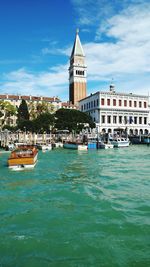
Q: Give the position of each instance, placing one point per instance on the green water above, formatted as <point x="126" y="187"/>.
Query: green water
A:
<point x="77" y="209"/>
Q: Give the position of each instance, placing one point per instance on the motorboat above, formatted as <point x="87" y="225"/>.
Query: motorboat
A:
<point x="23" y="157"/>
<point x="75" y="145"/>
<point x="120" y="142"/>
<point x="101" y="145"/>
<point x="44" y="147"/>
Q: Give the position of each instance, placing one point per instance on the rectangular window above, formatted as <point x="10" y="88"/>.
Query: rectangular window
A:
<point x="145" y="120"/>
<point x="135" y="104"/>
<point x="87" y="106"/>
<point x="94" y="103"/>
<point x="125" y="120"/>
<point x="91" y="104"/>
<point x="145" y="105"/>
<point x="97" y="102"/>
<point x="115" y="119"/>
<point x="108" y="102"/>
<point x="114" y="102"/>
<point x="108" y="119"/>
<point x="140" y="104"/>
<point x="140" y="120"/>
<point x="130" y="119"/>
<point x="82" y="107"/>
<point x="102" y="101"/>
<point x="125" y="103"/>
<point x="120" y="103"/>
<point x="130" y="103"/>
<point x="135" y="120"/>
<point x="103" y="118"/>
<point x="120" y="119"/>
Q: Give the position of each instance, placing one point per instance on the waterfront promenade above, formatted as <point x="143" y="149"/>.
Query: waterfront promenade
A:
<point x="7" y="137"/>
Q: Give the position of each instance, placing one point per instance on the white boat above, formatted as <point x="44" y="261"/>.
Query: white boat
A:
<point x="58" y="144"/>
<point x="75" y="145"/>
<point x="120" y="142"/>
<point x="44" y="147"/>
<point x="102" y="145"/>
<point x="22" y="167"/>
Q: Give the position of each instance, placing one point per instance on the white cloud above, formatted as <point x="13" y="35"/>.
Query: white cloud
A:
<point x="127" y="53"/>
<point x="56" y="51"/>
<point x="29" y="83"/>
<point x="131" y="25"/>
<point x="124" y="54"/>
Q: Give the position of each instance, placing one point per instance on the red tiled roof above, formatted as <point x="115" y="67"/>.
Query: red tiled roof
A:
<point x="13" y="97"/>
<point x="2" y="96"/>
<point x="32" y="98"/>
<point x="51" y="99"/>
<point x="67" y="104"/>
<point x="25" y="97"/>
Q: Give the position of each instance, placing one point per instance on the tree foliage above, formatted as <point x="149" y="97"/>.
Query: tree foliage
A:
<point x="36" y="109"/>
<point x="43" y="122"/>
<point x="6" y="111"/>
<point x="40" y="124"/>
<point x="23" y="113"/>
<point x="67" y="119"/>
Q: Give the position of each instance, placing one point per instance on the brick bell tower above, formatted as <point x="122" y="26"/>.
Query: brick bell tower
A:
<point x="77" y="72"/>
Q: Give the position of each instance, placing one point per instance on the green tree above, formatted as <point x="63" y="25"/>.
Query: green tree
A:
<point x="35" y="109"/>
<point x="67" y="119"/>
<point x="23" y="113"/>
<point x="32" y="110"/>
<point x="43" y="122"/>
<point x="40" y="124"/>
<point x="7" y="110"/>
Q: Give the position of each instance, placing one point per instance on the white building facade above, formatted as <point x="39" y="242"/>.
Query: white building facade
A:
<point x="113" y="111"/>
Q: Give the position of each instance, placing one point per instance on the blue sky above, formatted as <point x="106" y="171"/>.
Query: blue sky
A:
<point x="37" y="37"/>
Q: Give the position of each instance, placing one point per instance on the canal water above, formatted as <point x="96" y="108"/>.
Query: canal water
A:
<point x="77" y="209"/>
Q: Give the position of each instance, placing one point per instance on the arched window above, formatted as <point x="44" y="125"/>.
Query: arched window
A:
<point x="136" y="132"/>
<point x="141" y="131"/>
<point x="131" y="131"/>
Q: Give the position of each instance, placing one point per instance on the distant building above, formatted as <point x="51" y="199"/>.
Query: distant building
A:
<point x="68" y="105"/>
<point x="77" y="73"/>
<point x="112" y="111"/>
<point x="16" y="101"/>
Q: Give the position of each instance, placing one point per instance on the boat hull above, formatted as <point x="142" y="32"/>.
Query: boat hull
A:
<point x="120" y="143"/>
<point x="22" y="167"/>
<point x="45" y="147"/>
<point x="105" y="146"/>
<point x="75" y="146"/>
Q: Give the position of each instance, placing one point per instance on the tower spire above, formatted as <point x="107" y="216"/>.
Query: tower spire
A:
<point x="77" y="47"/>
<point x="77" y="72"/>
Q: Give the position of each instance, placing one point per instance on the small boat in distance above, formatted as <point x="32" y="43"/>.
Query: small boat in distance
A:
<point x="75" y="145"/>
<point x="44" y="147"/>
<point x="119" y="142"/>
<point x="102" y="145"/>
<point x="23" y="157"/>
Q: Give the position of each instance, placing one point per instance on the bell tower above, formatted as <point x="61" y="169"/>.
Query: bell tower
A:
<point x="77" y="72"/>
